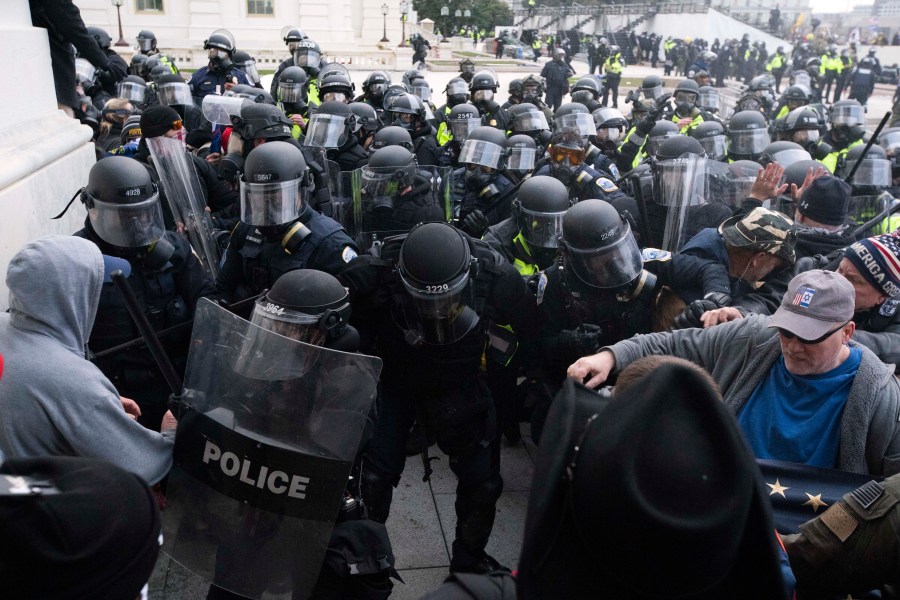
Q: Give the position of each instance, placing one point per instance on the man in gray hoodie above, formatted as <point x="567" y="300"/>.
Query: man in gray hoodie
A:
<point x="53" y="401"/>
<point x="802" y="390"/>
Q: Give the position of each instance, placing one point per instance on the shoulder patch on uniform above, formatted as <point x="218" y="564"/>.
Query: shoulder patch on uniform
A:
<point x="655" y="254"/>
<point x="839" y="521"/>
<point x="614" y="170"/>
<point x="348" y="254"/>
<point x="888" y="307"/>
<point x="607" y="185"/>
<point x="541" y="287"/>
<point x="867" y="495"/>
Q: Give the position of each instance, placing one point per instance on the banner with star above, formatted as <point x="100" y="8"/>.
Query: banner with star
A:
<point x="799" y="493"/>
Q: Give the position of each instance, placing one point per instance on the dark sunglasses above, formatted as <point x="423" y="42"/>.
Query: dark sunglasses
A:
<point x="790" y="336"/>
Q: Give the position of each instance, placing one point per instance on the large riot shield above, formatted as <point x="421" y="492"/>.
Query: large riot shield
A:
<point x="267" y="433"/>
<point x="378" y="200"/>
<point x="872" y="211"/>
<point x="185" y="197"/>
<point x="730" y="183"/>
<point x="219" y="110"/>
<point x="684" y="192"/>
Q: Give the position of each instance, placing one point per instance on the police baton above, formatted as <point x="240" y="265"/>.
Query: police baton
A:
<point x="865" y="151"/>
<point x="167" y="332"/>
<point x="147" y="333"/>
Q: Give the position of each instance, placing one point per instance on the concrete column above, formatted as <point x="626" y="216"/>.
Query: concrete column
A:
<point x="44" y="155"/>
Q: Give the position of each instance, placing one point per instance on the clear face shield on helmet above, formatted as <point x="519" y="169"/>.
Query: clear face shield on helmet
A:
<point x="172" y="94"/>
<point x="461" y="128"/>
<point x="531" y="91"/>
<point x="380" y="186"/>
<point x="521" y="160"/>
<point x="529" y="121"/>
<point x="583" y="123"/>
<point x="805" y="136"/>
<point x="481" y="153"/>
<point x="457" y="88"/>
<point x="270" y="204"/>
<point x="307" y="57"/>
<point x="540" y="229"/>
<point x="335" y="97"/>
<point x="849" y="115"/>
<point x="482" y="95"/>
<point x="216" y="54"/>
<point x="654" y="141"/>
<point x="421" y="89"/>
<point x="608" y="267"/>
<point x="801" y="78"/>
<point x="145" y="45"/>
<point x="440" y="315"/>
<point x="872" y="172"/>
<point x="730" y="184"/>
<point x="683" y="187"/>
<point x="292" y="92"/>
<point x="751" y="142"/>
<point x="326" y="131"/>
<point x="786" y="158"/>
<point x="653" y="93"/>
<point x="132" y="91"/>
<point x="715" y="146"/>
<point x="84" y="71"/>
<point x="128" y="225"/>
<point x="764" y="94"/>
<point x="250" y="70"/>
<point x="299" y="326"/>
<point x="709" y="100"/>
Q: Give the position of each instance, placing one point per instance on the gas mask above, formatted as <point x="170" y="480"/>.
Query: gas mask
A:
<point x="219" y="60"/>
<point x="478" y="177"/>
<point x="407" y="121"/>
<point x="481" y="97"/>
<point x="684" y="103"/>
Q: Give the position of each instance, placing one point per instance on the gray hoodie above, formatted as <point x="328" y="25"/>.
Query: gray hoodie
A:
<point x="54" y="402"/>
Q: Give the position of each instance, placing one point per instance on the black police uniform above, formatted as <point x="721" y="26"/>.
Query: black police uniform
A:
<point x="425" y="145"/>
<point x="467" y="200"/>
<point x="440" y="385"/>
<point x="253" y="262"/>
<point x="204" y="81"/>
<point x="587" y="183"/>
<point x="168" y="296"/>
<point x="407" y="210"/>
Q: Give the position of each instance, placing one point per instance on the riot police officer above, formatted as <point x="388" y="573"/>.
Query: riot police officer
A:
<point x="455" y="129"/>
<point x="279" y="231"/>
<point x="686" y="114"/>
<point x="515" y="94"/>
<point x="466" y="69"/>
<point x="587" y="91"/>
<point x="483" y="88"/>
<point x="247" y="64"/>
<point x="408" y="111"/>
<point x="391" y="136"/>
<point x="221" y="73"/>
<point x="125" y="219"/>
<point x="523" y="156"/>
<point x="711" y="136"/>
<point x="748" y="135"/>
<point x="307" y="55"/>
<point x="793" y="98"/>
<point x="433" y="294"/>
<point x="566" y="153"/>
<point x="292" y="98"/>
<point x="332" y="128"/>
<point x="528" y="119"/>
<point x="478" y="197"/>
<point x="533" y="93"/>
<point x="847" y="118"/>
<point x="374" y="87"/>
<point x="336" y="87"/>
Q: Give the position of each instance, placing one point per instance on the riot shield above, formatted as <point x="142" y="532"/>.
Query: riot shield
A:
<point x="185" y="197"/>
<point x="219" y="109"/>
<point x="685" y="194"/>
<point x="730" y="183"/>
<point x="378" y="204"/>
<point x="267" y="433"/>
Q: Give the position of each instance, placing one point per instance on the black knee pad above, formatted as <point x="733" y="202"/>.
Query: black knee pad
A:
<point x="473" y="433"/>
<point x="487" y="492"/>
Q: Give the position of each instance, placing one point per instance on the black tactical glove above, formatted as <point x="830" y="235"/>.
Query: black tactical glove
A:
<point x="659" y="107"/>
<point x="106" y="77"/>
<point x="475" y="224"/>
<point x="690" y="316"/>
<point x="584" y="340"/>
<point x="645" y="126"/>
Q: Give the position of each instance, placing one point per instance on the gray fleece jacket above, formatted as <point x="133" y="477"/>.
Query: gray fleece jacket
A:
<point x="740" y="354"/>
<point x="53" y="402"/>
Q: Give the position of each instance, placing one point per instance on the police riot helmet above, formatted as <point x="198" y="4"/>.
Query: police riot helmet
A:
<point x="515" y="89"/>
<point x="411" y="75"/>
<point x="137" y="60"/>
<point x="146" y="40"/>
<point x="677" y="146"/>
<point x="375" y="85"/>
<point x="573" y="116"/>
<point x="394" y="90"/>
<point x="797" y="93"/>
<point x="661" y="131"/>
<point x="609" y="125"/>
<point x="292" y="35"/>
<point x="275" y="184"/>
<point x="148" y="65"/>
<point x="528" y="118"/>
<point x="123" y="203"/>
<point x="522" y="155"/>
<point x="748" y="135"/>
<point x="486" y="147"/>
<point x="261" y="121"/>
<point x="391" y="170"/>
<point x="132" y="88"/>
<point x="483" y="80"/>
<point x="708" y="98"/>
<point x="292" y="85"/>
<point x="533" y="88"/>
<point x="613" y="50"/>
<point x="435" y="266"/>
<point x="457" y="91"/>
<point x="337" y="87"/>
<point x="367" y="117"/>
<point x="847" y="118"/>
<point x="158" y="72"/>
<point x="872" y="51"/>
<point x="687" y="94"/>
<point x="566" y="153"/>
<point x="652" y="87"/>
<point x="247" y="64"/>
<point x="330" y="126"/>
<point x="99" y="34"/>
<point x="783" y="152"/>
<point x="407" y="111"/>
<point x="173" y="91"/>
<point x="391" y="136"/>
<point x="598" y="246"/>
<point x="801" y="125"/>
<point x="711" y="135"/>
<point x="588" y="84"/>
<point x="761" y="87"/>
<point x="220" y="39"/>
<point x="307" y="55"/>
<point x="467" y="65"/>
<point x="252" y="93"/>
<point x="462" y="121"/>
<point x="539" y="208"/>
<point x="874" y="172"/>
<point x="306" y="305"/>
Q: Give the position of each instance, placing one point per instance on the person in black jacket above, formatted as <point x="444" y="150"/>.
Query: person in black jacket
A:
<point x="332" y="127"/>
<point x="408" y="111"/>
<point x="556" y="72"/>
<point x="125" y="220"/>
<point x="62" y="20"/>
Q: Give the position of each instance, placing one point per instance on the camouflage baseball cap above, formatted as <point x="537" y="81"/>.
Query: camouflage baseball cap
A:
<point x="762" y="230"/>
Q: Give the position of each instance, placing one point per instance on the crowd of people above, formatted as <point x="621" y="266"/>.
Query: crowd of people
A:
<point x="376" y="274"/>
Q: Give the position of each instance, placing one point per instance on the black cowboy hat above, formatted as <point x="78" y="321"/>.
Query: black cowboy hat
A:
<point x="654" y="494"/>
